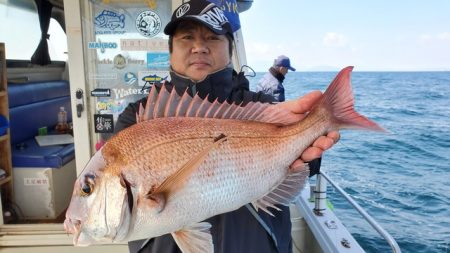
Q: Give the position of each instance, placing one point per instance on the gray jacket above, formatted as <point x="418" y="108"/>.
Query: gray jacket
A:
<point x="270" y="85"/>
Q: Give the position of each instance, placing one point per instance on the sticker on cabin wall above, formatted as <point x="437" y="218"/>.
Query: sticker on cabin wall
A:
<point x="119" y="61"/>
<point x="150" y="3"/>
<point x="104" y="123"/>
<point x="103" y="76"/>
<point x="130" y="78"/>
<point x="110" y="106"/>
<point x="103" y="62"/>
<point x="120" y="93"/>
<point x="158" y="60"/>
<point x="30" y="181"/>
<point x="148" y="23"/>
<point x="102" y="45"/>
<point x="101" y="93"/>
<point x="148" y="78"/>
<point x="109" y="22"/>
<point x="154" y="44"/>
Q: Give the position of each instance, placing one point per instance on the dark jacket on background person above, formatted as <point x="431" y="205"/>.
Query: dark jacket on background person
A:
<point x="243" y="230"/>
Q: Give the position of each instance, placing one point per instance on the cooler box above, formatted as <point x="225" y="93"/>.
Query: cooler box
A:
<point x="44" y="193"/>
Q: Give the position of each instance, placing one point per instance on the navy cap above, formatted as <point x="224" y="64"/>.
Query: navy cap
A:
<point x="283" y="61"/>
<point x="202" y="11"/>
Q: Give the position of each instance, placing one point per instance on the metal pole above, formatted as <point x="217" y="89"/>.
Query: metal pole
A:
<point x="372" y="222"/>
<point x="320" y="194"/>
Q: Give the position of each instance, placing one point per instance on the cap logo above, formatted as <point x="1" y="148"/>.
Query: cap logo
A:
<point x="182" y="10"/>
<point x="214" y="17"/>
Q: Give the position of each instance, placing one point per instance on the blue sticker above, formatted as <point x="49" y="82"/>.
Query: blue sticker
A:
<point x="158" y="60"/>
<point x="130" y="78"/>
<point x="102" y="45"/>
<point x="152" y="79"/>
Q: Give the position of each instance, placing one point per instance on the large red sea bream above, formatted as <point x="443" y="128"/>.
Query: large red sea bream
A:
<point x="188" y="159"/>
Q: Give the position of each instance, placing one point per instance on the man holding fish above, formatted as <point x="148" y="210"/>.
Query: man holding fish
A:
<point x="200" y="44"/>
<point x="200" y="57"/>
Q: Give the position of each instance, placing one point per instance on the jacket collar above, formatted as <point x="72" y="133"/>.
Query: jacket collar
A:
<point x="217" y="85"/>
<point x="276" y="74"/>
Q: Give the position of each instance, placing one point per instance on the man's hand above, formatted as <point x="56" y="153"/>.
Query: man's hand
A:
<point x="300" y="107"/>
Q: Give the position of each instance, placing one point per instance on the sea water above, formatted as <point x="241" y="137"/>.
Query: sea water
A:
<point x="401" y="178"/>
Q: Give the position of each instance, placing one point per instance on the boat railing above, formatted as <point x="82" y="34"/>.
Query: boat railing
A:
<point x="320" y="203"/>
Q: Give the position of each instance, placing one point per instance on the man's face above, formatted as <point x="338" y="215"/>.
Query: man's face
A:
<point x="283" y="70"/>
<point x="197" y="51"/>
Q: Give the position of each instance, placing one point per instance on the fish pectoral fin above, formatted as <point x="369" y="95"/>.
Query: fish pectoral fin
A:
<point x="176" y="181"/>
<point x="195" y="238"/>
<point x="285" y="192"/>
<point x="155" y="201"/>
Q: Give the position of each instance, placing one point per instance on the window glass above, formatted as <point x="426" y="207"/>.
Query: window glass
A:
<point x="21" y="33"/>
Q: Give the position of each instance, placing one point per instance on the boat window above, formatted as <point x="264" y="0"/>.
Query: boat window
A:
<point x="20" y="31"/>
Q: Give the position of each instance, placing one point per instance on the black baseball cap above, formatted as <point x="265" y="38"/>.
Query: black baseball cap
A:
<point x="204" y="12"/>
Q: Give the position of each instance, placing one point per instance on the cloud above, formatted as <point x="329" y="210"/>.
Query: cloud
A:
<point x="430" y="38"/>
<point x="259" y="48"/>
<point x="333" y="39"/>
<point x="425" y="38"/>
<point x="445" y="36"/>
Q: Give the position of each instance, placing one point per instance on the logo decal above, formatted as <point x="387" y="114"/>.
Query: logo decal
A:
<point x="152" y="79"/>
<point x="215" y="17"/>
<point x="148" y="78"/>
<point x="119" y="61"/>
<point x="104" y="123"/>
<point x="110" y="19"/>
<point x="101" y="92"/>
<point x="102" y="45"/>
<point x="158" y="60"/>
<point x="148" y="23"/>
<point x="155" y="44"/>
<point x="182" y="10"/>
<point x="130" y="78"/>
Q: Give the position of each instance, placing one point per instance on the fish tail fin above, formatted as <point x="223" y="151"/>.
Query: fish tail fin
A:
<point x="339" y="100"/>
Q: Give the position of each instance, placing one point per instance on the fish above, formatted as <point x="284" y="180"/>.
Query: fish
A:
<point x="188" y="159"/>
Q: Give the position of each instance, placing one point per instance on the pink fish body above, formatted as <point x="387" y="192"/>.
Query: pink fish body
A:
<point x="188" y="160"/>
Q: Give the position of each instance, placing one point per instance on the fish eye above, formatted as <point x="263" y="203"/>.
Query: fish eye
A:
<point x="87" y="189"/>
<point x="88" y="186"/>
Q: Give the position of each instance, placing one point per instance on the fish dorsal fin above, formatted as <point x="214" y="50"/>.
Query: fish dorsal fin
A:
<point x="170" y="104"/>
<point x="161" y="103"/>
<point x="176" y="180"/>
<point x="285" y="192"/>
<point x="195" y="238"/>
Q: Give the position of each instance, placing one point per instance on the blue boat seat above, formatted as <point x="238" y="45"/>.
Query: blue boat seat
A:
<point x="32" y="106"/>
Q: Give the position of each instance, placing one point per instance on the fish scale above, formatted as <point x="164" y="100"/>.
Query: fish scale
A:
<point x="234" y="168"/>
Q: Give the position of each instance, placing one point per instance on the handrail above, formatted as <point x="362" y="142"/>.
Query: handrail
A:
<point x="367" y="217"/>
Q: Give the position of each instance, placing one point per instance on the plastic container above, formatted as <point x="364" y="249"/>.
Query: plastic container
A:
<point x="62" y="126"/>
<point x="4" y="124"/>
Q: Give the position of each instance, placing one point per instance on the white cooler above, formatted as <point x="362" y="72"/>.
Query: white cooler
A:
<point x="43" y="193"/>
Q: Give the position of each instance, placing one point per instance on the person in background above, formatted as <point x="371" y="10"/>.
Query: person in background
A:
<point x="272" y="82"/>
<point x="200" y="50"/>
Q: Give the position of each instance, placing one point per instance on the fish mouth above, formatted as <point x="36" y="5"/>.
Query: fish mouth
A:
<point x="73" y="226"/>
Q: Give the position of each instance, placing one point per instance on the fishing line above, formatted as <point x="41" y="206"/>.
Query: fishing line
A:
<point x="352" y="151"/>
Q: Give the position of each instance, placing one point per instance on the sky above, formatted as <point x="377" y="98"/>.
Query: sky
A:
<point x="376" y="35"/>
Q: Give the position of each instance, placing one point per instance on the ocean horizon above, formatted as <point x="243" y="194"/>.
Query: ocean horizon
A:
<point x="402" y="177"/>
